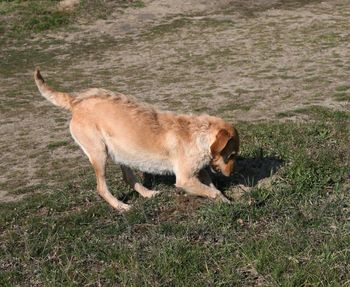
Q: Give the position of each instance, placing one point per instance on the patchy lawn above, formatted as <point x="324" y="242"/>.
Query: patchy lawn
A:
<point x="279" y="70"/>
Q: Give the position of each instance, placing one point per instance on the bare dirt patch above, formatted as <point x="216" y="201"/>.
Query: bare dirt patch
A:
<point x="241" y="60"/>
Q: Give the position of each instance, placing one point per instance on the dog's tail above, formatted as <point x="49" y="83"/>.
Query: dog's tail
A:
<point x="60" y="99"/>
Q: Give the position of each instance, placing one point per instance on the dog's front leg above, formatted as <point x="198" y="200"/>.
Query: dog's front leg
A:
<point x="130" y="178"/>
<point x="192" y="185"/>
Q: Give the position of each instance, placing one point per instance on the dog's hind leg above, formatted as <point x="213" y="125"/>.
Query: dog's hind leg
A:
<point x="130" y="178"/>
<point x="99" y="164"/>
<point x="95" y="149"/>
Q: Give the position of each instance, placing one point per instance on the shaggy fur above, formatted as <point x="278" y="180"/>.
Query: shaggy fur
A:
<point x="138" y="136"/>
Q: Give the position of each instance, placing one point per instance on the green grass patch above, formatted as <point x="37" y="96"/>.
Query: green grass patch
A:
<point x="138" y="4"/>
<point x="341" y="96"/>
<point x="57" y="144"/>
<point x="229" y="107"/>
<point x="22" y="18"/>
<point x="32" y="16"/>
<point x="342" y="88"/>
<point x="342" y="93"/>
<point x="295" y="232"/>
<point x="318" y="112"/>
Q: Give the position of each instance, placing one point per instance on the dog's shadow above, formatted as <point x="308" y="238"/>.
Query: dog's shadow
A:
<point x="249" y="171"/>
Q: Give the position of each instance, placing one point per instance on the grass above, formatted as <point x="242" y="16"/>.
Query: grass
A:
<point x="293" y="233"/>
<point x="32" y="16"/>
<point x="175" y="25"/>
<point x="341" y="93"/>
<point x="57" y="144"/>
<point x="23" y="18"/>
<point x="138" y="4"/>
<point x="342" y="88"/>
<point x="341" y="96"/>
<point x="250" y="9"/>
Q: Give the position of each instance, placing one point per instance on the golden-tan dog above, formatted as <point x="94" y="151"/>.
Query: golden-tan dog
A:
<point x="137" y="136"/>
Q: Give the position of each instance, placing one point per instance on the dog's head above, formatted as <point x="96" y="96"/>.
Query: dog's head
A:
<point x="224" y="151"/>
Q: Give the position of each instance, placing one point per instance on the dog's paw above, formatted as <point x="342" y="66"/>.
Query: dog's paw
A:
<point x="124" y="207"/>
<point x="145" y="192"/>
<point x="223" y="198"/>
<point x="152" y="193"/>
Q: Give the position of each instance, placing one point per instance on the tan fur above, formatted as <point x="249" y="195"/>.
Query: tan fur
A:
<point x="138" y="136"/>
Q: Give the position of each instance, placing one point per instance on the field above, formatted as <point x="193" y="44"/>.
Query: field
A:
<point x="278" y="69"/>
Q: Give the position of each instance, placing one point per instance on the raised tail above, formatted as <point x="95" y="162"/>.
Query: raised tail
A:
<point x="60" y="99"/>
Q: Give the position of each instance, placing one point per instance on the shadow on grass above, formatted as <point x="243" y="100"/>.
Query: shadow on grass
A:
<point x="248" y="172"/>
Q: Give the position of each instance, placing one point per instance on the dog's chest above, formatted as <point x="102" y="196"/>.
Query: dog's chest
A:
<point x="141" y="161"/>
<point x="146" y="164"/>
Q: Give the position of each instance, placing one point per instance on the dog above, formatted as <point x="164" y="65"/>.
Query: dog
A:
<point x="138" y="136"/>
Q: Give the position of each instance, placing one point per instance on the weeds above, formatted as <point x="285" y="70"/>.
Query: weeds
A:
<point x="27" y="17"/>
<point x="292" y="233"/>
<point x="289" y="226"/>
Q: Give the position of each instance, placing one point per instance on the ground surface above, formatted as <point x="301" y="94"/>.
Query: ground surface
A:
<point x="279" y="70"/>
<point x="241" y="60"/>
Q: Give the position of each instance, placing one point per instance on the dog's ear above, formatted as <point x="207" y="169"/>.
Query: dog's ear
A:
<point x="220" y="142"/>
